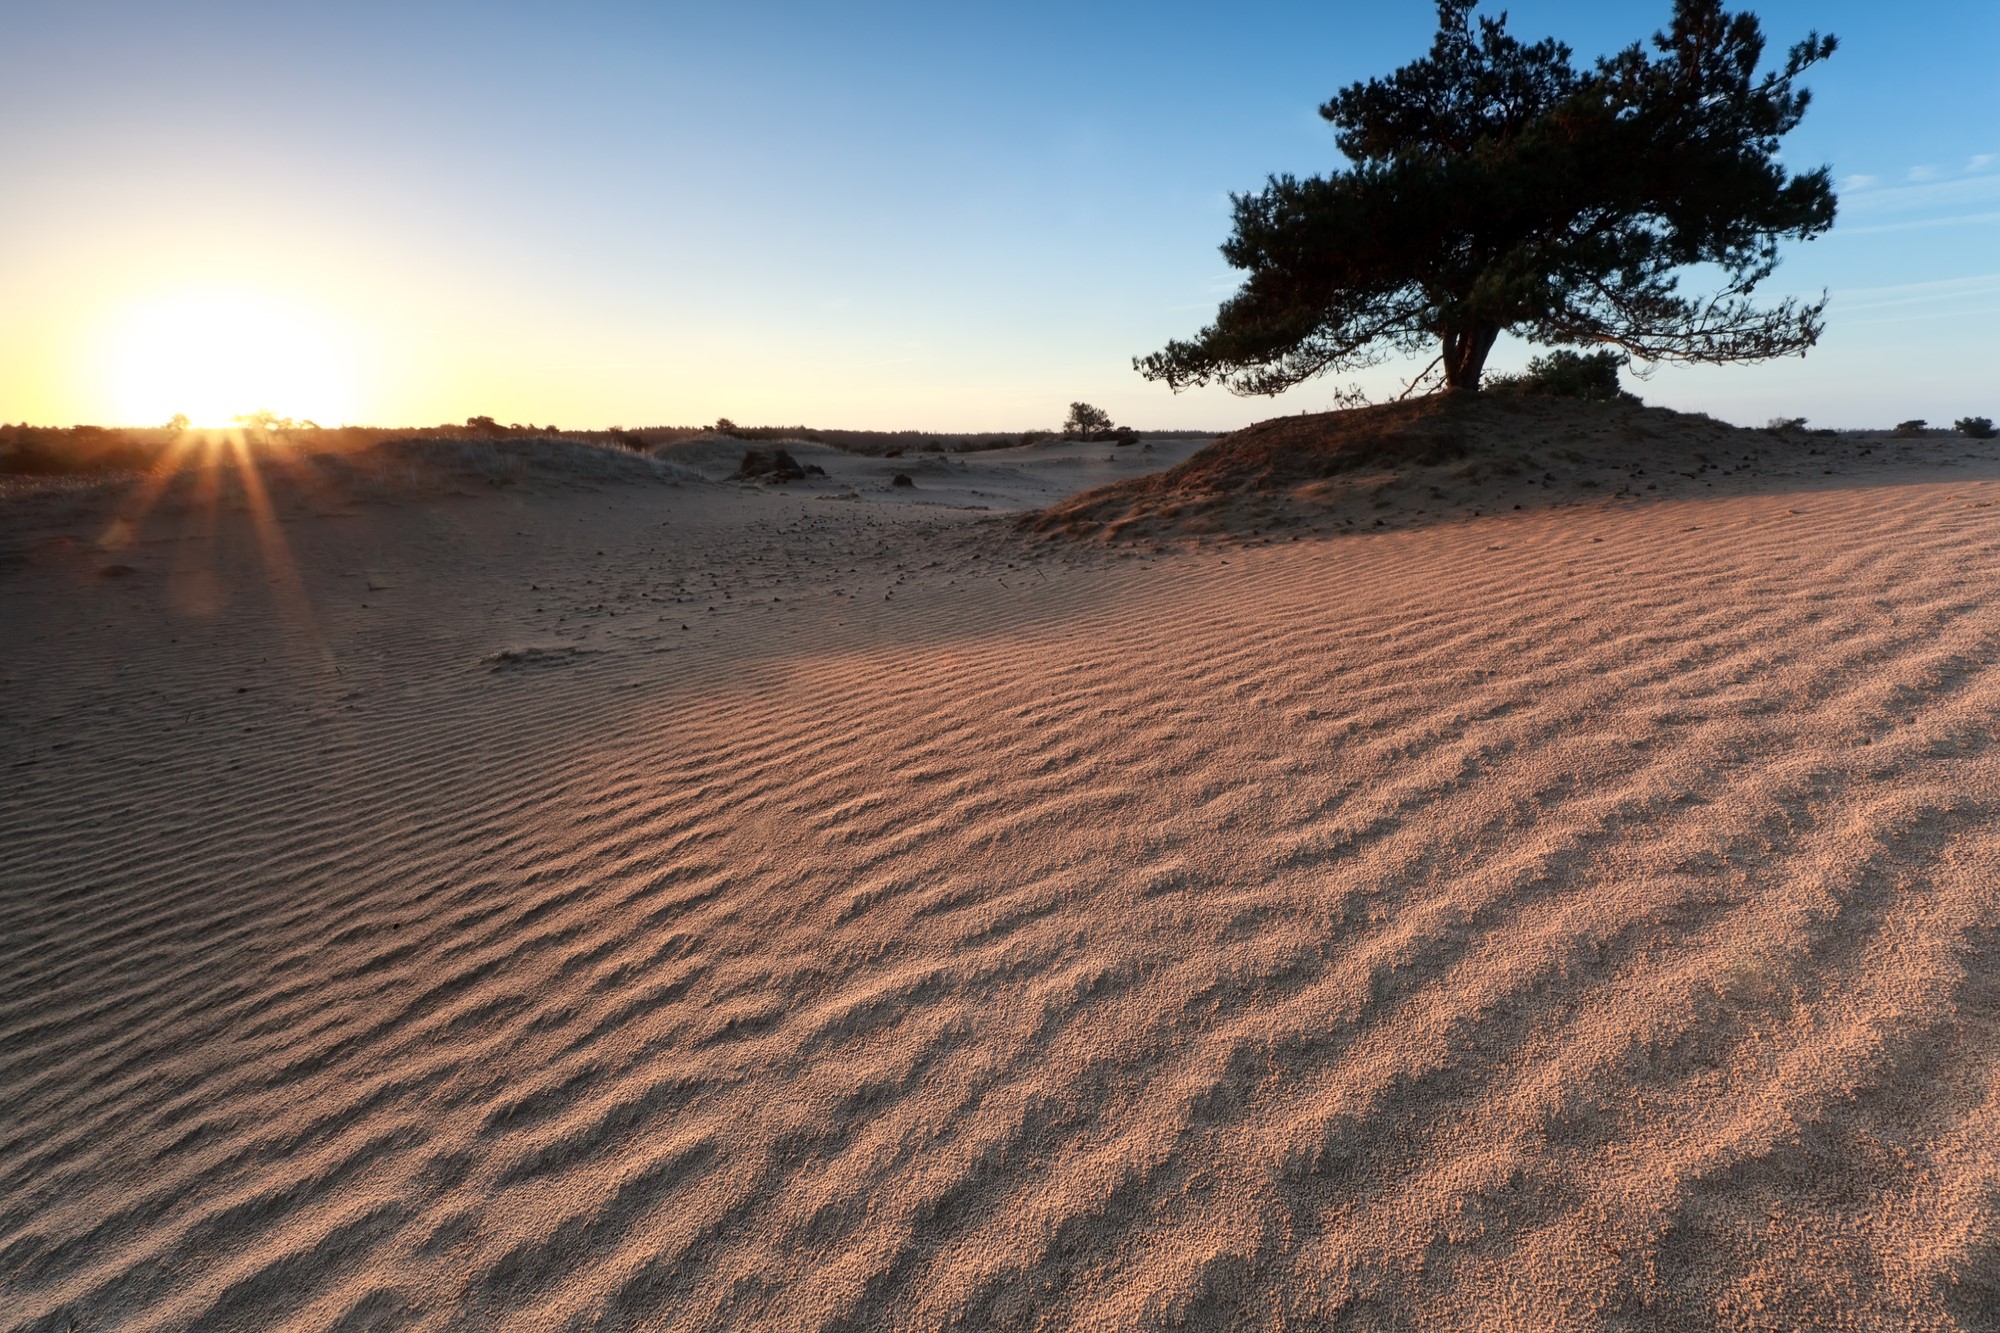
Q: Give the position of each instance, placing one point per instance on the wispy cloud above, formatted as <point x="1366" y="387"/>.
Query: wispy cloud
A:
<point x="1956" y="220"/>
<point x="1926" y="317"/>
<point x="1919" y="293"/>
<point x="1860" y="182"/>
<point x="1978" y="162"/>
<point x="1970" y="296"/>
<point x="1963" y="193"/>
<point x="1921" y="174"/>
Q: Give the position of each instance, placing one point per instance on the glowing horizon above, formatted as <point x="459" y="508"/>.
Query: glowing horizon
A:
<point x="216" y="357"/>
<point x="940" y="220"/>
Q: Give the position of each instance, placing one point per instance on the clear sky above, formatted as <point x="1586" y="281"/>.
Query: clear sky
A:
<point x="871" y="215"/>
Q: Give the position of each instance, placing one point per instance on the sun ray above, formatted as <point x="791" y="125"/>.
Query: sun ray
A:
<point x="119" y="533"/>
<point x="294" y="600"/>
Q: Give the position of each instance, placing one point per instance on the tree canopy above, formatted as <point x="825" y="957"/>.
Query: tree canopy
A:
<point x="1494" y="186"/>
<point x="1086" y="421"/>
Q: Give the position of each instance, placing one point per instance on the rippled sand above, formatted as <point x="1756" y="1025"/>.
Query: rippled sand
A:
<point x="1583" y="919"/>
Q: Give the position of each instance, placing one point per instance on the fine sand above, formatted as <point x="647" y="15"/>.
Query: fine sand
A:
<point x="471" y="892"/>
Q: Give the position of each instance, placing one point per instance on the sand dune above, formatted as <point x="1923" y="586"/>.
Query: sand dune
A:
<point x="696" y="907"/>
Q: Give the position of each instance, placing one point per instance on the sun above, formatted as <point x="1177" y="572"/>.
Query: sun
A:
<point x="215" y="357"/>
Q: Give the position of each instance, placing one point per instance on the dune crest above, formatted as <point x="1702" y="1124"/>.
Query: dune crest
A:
<point x="1450" y="458"/>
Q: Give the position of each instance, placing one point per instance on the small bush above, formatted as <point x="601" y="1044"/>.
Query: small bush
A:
<point x="1566" y="374"/>
<point x="1914" y="426"/>
<point x="1978" y="428"/>
<point x="1785" y="425"/>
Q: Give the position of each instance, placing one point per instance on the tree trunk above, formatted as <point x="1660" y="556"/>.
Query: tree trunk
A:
<point x="1465" y="357"/>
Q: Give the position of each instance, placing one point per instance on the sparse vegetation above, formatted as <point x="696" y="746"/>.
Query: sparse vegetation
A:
<point x="50" y="450"/>
<point x="1566" y="374"/>
<point x="1914" y="426"/>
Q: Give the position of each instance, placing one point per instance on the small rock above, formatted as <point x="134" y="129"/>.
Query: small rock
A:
<point x="901" y="479"/>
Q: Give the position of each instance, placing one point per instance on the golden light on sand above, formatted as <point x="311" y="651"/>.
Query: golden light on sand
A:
<point x="213" y="358"/>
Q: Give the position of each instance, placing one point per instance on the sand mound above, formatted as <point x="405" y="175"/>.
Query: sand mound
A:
<point x="511" y="460"/>
<point x="1572" y="920"/>
<point x="1433" y="458"/>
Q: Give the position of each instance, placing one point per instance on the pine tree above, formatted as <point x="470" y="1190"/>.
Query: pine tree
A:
<point x="1493" y="186"/>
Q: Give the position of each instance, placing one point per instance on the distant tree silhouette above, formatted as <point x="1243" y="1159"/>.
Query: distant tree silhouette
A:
<point x="179" y="422"/>
<point x="265" y="422"/>
<point x="1495" y="187"/>
<point x="1979" y="428"/>
<point x="1086" y="421"/>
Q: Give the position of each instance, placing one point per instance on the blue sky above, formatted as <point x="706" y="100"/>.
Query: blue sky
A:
<point x="867" y="215"/>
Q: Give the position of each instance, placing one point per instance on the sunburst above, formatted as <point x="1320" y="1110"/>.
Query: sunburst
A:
<point x="214" y="357"/>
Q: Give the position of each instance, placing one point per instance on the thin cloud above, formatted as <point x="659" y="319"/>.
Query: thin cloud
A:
<point x="1978" y="162"/>
<point x="1928" y="317"/>
<point x="1921" y="174"/>
<point x="1920" y="293"/>
<point x="1963" y="193"/>
<point x="1860" y="182"/>
<point x="1957" y="220"/>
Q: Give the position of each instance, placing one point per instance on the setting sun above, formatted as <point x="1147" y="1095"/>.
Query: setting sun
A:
<point x="214" y="358"/>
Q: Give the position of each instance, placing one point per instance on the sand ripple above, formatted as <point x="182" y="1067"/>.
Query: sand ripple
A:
<point x="1582" y="921"/>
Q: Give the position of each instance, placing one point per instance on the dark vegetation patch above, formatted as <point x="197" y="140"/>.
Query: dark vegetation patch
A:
<point x="768" y="465"/>
<point x="102" y="450"/>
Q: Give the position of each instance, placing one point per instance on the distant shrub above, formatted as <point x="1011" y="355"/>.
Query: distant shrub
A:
<point x="1563" y="373"/>
<point x="1785" y="425"/>
<point x="1979" y="428"/>
<point x="1914" y="426"/>
<point x="50" y="450"/>
<point x="1087" y="422"/>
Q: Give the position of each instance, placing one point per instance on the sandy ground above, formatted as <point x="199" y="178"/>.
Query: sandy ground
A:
<point x="654" y="903"/>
